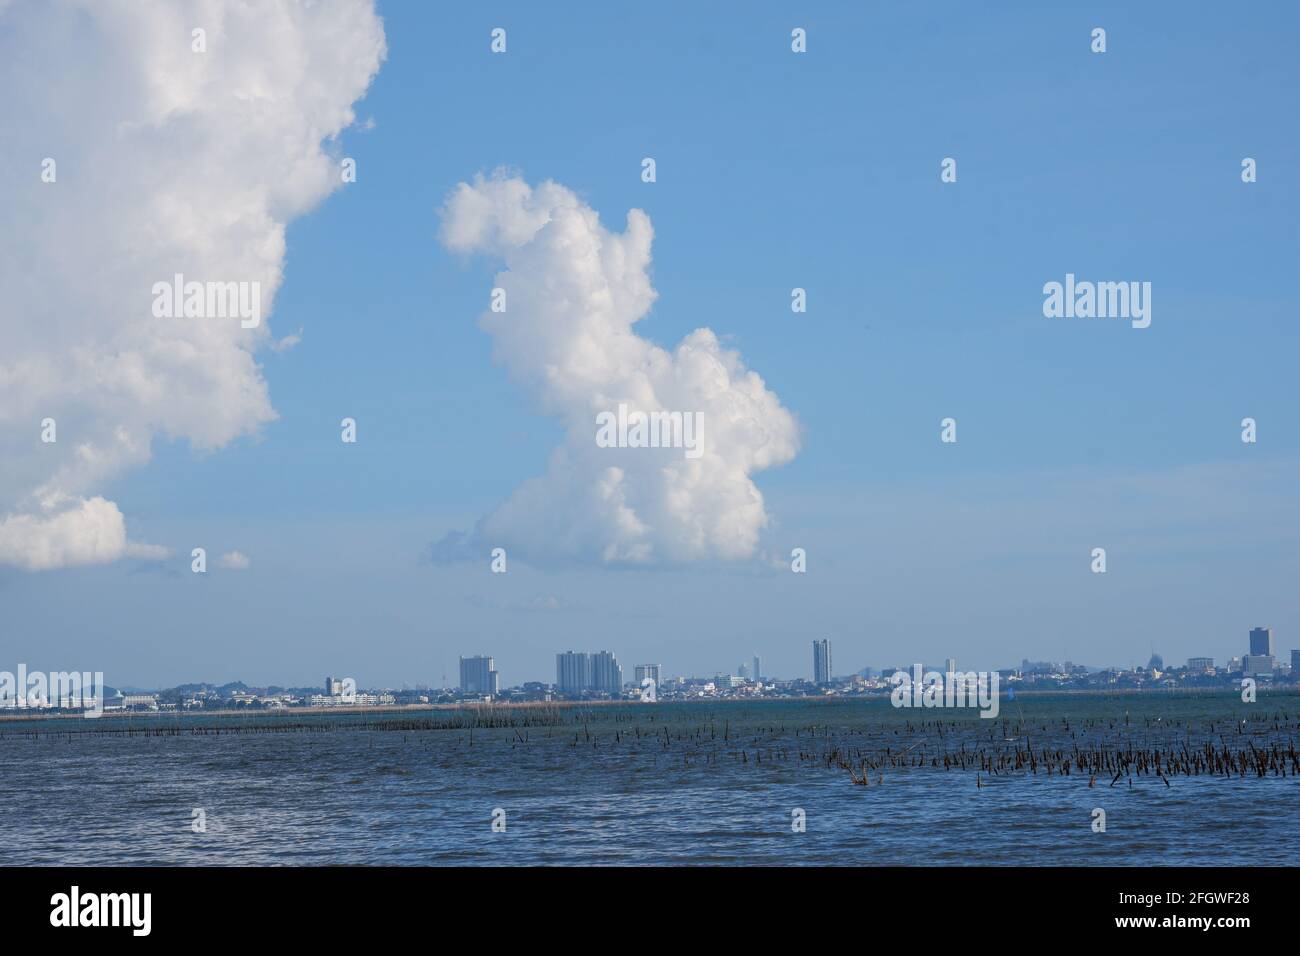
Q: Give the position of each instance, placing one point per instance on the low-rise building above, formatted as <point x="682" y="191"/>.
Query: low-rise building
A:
<point x="1257" y="665"/>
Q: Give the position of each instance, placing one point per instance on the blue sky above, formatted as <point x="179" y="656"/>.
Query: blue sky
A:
<point x="775" y="170"/>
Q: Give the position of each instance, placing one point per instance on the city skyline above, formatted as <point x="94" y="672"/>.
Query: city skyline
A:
<point x="600" y="671"/>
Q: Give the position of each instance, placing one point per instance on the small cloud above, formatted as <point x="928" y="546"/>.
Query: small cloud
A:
<point x="366" y="125"/>
<point x="454" y="547"/>
<point x="65" y="532"/>
<point x="286" y="343"/>
<point x="234" y="561"/>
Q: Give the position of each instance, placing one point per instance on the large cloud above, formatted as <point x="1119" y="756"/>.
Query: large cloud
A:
<point x="573" y="293"/>
<point x="168" y="161"/>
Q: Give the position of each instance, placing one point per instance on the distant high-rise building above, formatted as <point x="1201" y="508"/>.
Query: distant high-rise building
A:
<point x="1157" y="663"/>
<point x="950" y="665"/>
<point x="572" y="672"/>
<point x="821" y="661"/>
<point x="1295" y="662"/>
<point x="743" y="672"/>
<point x="652" y="671"/>
<point x="329" y="686"/>
<point x="606" y="675"/>
<point x="1257" y="665"/>
<point x="758" y="668"/>
<point x="478" y="675"/>
<point x="1200" y="663"/>
<point x="576" y="673"/>
<point x="1261" y="642"/>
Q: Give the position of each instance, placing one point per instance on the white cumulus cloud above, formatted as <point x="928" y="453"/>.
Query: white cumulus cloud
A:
<point x="166" y="161"/>
<point x="234" y="561"/>
<point x="574" y="291"/>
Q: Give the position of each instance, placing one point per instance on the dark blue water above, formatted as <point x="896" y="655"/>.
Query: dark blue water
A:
<point x="654" y="784"/>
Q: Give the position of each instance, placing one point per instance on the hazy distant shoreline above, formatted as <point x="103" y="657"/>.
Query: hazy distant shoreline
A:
<point x="390" y="709"/>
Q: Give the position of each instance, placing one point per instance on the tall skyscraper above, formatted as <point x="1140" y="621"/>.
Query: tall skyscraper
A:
<point x="652" y="671"/>
<point x="822" y="662"/>
<point x="950" y="665"/>
<point x="572" y="672"/>
<point x="606" y="675"/>
<point x="478" y="675"/>
<point x="1261" y="642"/>
<point x="576" y="673"/>
<point x="758" y="668"/>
